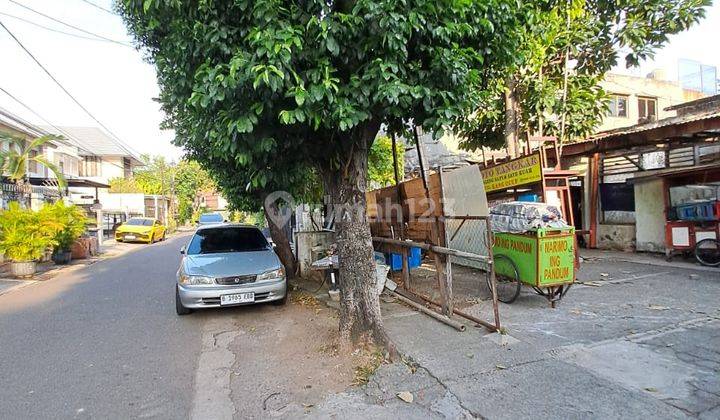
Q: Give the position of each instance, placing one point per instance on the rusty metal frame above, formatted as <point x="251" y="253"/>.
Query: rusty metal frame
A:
<point x="440" y="250"/>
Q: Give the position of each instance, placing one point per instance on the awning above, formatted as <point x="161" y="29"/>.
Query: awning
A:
<point x="710" y="171"/>
<point x="71" y="182"/>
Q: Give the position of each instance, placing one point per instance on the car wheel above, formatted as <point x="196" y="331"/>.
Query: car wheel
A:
<point x="179" y="308"/>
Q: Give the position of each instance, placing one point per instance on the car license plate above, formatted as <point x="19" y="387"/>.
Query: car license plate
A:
<point x="236" y="298"/>
<point x="130" y="237"/>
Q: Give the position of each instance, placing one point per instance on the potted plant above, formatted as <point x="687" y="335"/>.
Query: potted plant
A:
<point x="72" y="221"/>
<point x="24" y="237"/>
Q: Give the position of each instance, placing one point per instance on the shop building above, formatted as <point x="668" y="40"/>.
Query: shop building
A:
<point x="632" y="180"/>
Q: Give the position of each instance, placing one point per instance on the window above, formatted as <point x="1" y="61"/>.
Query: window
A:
<point x="211" y="218"/>
<point x="618" y="106"/>
<point x="127" y="168"/>
<point x="647" y="109"/>
<point x="234" y="239"/>
<point x="91" y="166"/>
<point x="139" y="222"/>
<point x="33" y="166"/>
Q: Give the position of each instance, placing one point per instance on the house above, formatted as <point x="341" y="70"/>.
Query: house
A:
<point x="42" y="182"/>
<point x="103" y="157"/>
<point x="210" y="201"/>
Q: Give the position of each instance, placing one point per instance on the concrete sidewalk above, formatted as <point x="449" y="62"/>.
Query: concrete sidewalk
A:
<point x="641" y="342"/>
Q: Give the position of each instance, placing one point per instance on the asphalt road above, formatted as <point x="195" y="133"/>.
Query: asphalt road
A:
<point x="103" y="341"/>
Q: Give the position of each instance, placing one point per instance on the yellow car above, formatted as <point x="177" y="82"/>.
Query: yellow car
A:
<point x="140" y="229"/>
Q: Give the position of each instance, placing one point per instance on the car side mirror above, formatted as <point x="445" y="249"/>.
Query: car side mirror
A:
<point x="182" y="251"/>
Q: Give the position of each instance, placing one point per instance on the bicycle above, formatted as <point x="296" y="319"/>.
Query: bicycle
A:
<point x="707" y="252"/>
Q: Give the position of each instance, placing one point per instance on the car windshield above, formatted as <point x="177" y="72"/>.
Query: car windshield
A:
<point x="235" y="239"/>
<point x="139" y="222"/>
<point x="211" y="218"/>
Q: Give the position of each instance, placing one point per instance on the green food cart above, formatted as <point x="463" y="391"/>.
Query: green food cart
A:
<point x="543" y="259"/>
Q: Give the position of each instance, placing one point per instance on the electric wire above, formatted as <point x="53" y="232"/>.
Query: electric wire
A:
<point x="29" y="22"/>
<point x="68" y="25"/>
<point x="57" y="82"/>
<point x="98" y="6"/>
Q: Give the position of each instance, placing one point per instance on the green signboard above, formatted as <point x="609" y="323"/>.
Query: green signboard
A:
<point x="543" y="257"/>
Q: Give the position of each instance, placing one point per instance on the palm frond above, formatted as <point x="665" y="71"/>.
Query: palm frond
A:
<point x="39" y="141"/>
<point x="62" y="183"/>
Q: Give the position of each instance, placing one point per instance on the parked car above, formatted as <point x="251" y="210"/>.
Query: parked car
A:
<point x="210" y="219"/>
<point x="141" y="229"/>
<point x="228" y="265"/>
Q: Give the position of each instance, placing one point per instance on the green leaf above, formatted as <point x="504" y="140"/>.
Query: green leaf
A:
<point x="300" y="97"/>
<point x="332" y="45"/>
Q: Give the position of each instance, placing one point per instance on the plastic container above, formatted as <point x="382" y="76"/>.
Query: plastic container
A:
<point x="532" y="198"/>
<point x="414" y="259"/>
<point x="702" y="211"/>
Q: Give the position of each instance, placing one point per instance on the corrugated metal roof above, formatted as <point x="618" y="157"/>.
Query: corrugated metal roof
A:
<point x="681" y="119"/>
<point x="96" y="142"/>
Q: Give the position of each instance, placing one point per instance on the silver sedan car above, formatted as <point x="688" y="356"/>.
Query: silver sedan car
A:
<point x="228" y="265"/>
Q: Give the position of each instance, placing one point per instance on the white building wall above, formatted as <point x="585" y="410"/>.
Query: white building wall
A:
<point x="649" y="216"/>
<point x="128" y="203"/>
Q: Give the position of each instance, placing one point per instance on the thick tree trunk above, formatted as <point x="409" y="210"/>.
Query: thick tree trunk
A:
<point x="360" y="317"/>
<point x="282" y="242"/>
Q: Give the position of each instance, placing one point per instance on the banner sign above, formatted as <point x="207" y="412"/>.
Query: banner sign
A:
<point x="521" y="171"/>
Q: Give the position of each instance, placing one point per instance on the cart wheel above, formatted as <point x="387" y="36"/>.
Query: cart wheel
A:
<point x="707" y="252"/>
<point x="507" y="279"/>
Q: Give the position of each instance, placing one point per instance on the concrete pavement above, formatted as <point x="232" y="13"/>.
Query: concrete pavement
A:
<point x="641" y="342"/>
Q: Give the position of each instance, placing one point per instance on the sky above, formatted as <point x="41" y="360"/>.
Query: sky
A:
<point x="112" y="81"/>
<point x="117" y="86"/>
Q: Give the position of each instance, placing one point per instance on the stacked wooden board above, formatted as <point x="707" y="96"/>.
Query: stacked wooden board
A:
<point x="409" y="196"/>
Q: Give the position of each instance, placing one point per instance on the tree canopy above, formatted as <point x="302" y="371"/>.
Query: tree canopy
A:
<point x="277" y="86"/>
<point x="593" y="37"/>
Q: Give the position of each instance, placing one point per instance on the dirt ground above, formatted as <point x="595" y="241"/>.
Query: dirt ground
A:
<point x="289" y="358"/>
<point x="469" y="284"/>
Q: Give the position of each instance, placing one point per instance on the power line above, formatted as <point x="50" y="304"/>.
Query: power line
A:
<point x="60" y="85"/>
<point x="69" y="25"/>
<point x="56" y="30"/>
<point x="14" y="98"/>
<point x="98" y="6"/>
<point x="68" y="136"/>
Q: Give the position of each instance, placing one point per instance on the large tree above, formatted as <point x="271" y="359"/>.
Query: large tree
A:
<point x="277" y="84"/>
<point x="567" y="48"/>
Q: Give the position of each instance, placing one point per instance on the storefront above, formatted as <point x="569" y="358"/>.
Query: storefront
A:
<point x="631" y="178"/>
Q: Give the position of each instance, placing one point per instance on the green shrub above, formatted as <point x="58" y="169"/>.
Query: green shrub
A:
<point x="72" y="218"/>
<point x="24" y="235"/>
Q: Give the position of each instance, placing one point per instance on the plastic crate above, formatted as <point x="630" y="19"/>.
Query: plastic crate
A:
<point x="703" y="211"/>
<point x="414" y="259"/>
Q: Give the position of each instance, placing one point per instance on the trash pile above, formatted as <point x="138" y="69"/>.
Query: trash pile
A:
<point x="520" y="216"/>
